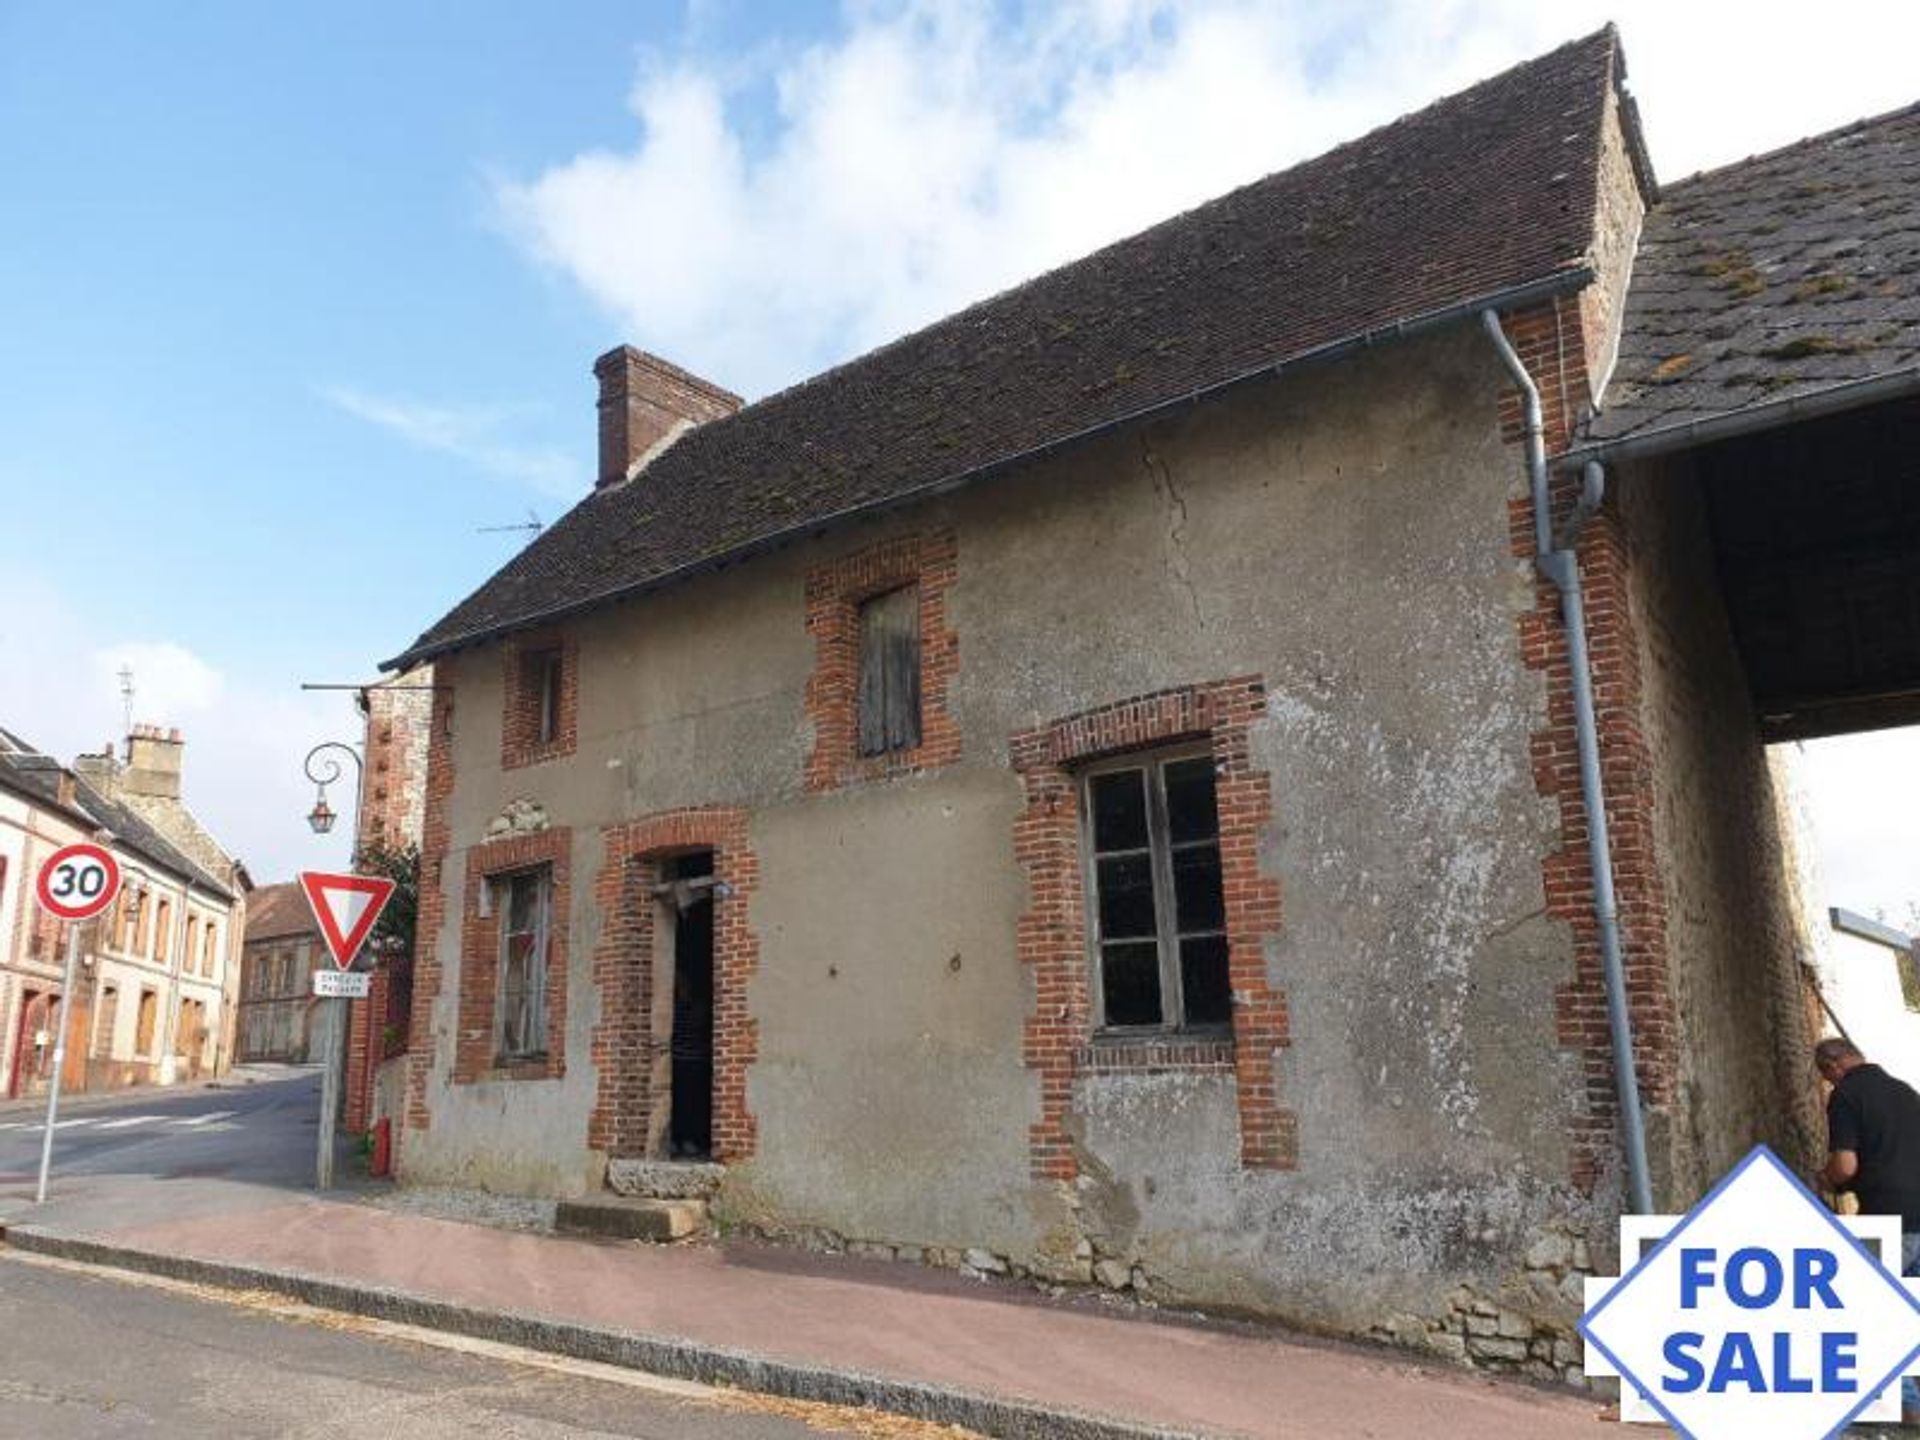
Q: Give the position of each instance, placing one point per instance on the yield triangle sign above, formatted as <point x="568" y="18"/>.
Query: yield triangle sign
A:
<point x="346" y="907"/>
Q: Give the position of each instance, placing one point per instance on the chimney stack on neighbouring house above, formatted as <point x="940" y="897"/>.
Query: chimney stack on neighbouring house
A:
<point x="645" y="405"/>
<point x="153" y="762"/>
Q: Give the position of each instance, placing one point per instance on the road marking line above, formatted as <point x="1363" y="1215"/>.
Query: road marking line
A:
<point x="67" y="1124"/>
<point x="208" y="1118"/>
<point x="129" y="1120"/>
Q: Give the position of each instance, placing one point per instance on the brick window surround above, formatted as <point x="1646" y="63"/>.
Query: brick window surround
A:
<point x="476" y="1039"/>
<point x="520" y="742"/>
<point x="628" y="1044"/>
<point x="1060" y="1042"/>
<point x="835" y="592"/>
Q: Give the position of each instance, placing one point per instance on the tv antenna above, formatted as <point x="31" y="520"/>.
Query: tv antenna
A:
<point x="532" y="525"/>
<point x="126" y="699"/>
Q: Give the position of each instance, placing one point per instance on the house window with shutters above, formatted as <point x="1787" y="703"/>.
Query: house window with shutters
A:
<point x="889" y="696"/>
<point x="885" y="660"/>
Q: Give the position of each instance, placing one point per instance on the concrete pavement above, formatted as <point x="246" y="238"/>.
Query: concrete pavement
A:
<point x="999" y="1358"/>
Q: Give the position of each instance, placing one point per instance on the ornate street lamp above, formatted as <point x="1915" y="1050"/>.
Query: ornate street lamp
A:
<point x="321" y="817"/>
<point x="323" y="770"/>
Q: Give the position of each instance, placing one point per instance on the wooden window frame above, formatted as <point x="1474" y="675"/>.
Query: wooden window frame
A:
<point x="537" y="980"/>
<point x="1167" y="934"/>
<point x="835" y="593"/>
<point x="874" y="680"/>
<point x="541" y="713"/>
<point x="549" y="681"/>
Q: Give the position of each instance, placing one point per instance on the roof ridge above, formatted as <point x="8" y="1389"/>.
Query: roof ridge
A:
<point x="1805" y="142"/>
<point x="1485" y="192"/>
<point x="1608" y="33"/>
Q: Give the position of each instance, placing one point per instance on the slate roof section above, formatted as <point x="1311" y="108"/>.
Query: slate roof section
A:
<point x="1474" y="198"/>
<point x="275" y="912"/>
<point x="1772" y="280"/>
<point x="36" y="775"/>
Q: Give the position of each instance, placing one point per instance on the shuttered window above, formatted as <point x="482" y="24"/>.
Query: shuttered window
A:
<point x="890" y="671"/>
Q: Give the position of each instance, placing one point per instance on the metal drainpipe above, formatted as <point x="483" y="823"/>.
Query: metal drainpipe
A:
<point x="1557" y="559"/>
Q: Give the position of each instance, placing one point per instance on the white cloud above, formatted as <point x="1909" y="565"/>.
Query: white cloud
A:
<point x="468" y="432"/>
<point x="246" y="736"/>
<point x="934" y="151"/>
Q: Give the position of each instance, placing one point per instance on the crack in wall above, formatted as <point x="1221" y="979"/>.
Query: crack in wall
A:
<point x="1160" y="474"/>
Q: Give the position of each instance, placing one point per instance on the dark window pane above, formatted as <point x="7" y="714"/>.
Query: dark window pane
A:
<point x="524" y="901"/>
<point x="1130" y="975"/>
<point x="1197" y="903"/>
<point x="1126" y="896"/>
<point x="552" y="675"/>
<point x="1190" y="813"/>
<point x="1203" y="980"/>
<point x="1120" y="811"/>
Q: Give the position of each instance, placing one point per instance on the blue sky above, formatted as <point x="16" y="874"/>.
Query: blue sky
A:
<point x="297" y="299"/>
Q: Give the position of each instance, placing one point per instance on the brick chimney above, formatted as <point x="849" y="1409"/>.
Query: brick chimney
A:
<point x="153" y="762"/>
<point x="645" y="405"/>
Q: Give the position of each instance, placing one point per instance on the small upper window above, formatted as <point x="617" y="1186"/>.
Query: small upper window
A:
<point x="546" y="672"/>
<point x="1159" y="931"/>
<point x="889" y="696"/>
<point x="524" y="901"/>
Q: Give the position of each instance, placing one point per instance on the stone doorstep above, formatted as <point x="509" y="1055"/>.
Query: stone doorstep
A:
<point x="621" y="1217"/>
<point x="665" y="1179"/>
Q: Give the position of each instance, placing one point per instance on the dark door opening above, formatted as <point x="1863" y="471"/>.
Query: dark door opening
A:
<point x="690" y="1128"/>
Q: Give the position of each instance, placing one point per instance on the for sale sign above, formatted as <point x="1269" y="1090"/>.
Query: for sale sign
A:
<point x="1759" y="1314"/>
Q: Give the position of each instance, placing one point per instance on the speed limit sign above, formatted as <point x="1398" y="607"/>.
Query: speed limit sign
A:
<point x="77" y="882"/>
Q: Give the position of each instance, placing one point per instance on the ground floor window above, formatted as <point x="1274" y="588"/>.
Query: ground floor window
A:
<point x="1158" y="921"/>
<point x="524" y="903"/>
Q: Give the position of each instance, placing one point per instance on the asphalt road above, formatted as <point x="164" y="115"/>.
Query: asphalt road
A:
<point x="83" y="1354"/>
<point x="263" y="1132"/>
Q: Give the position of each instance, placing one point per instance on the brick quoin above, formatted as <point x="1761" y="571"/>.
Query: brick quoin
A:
<point x="1060" y="1045"/>
<point x="435" y="839"/>
<point x="475" y="1052"/>
<point x="625" y="1045"/>
<point x="366" y="1020"/>
<point x="520" y="743"/>
<point x="835" y="593"/>
<point x="1550" y="343"/>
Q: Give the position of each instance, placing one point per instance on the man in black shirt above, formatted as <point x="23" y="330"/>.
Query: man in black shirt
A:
<point x="1873" y="1149"/>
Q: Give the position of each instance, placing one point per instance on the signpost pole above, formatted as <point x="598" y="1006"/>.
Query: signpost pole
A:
<point x="346" y="907"/>
<point x="59" y="1058"/>
<point x="330" y="1090"/>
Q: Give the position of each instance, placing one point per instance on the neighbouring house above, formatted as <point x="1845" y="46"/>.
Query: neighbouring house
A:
<point x="398" y="716"/>
<point x="1872" y="990"/>
<point x="281" y="950"/>
<point x="154" y="993"/>
<point x="1178" y="776"/>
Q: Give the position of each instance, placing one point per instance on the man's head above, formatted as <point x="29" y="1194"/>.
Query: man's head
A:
<point x="1834" y="1058"/>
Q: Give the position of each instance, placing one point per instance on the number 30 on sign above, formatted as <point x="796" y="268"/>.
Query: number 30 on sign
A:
<point x="77" y="882"/>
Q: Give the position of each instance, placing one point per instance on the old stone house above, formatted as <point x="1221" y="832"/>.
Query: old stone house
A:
<point x="153" y="1002"/>
<point x="281" y="950"/>
<point x="1101" y="787"/>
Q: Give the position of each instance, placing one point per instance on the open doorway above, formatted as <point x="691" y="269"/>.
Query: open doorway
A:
<point x="690" y="1120"/>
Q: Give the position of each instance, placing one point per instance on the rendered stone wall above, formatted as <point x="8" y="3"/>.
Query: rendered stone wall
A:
<point x="1344" y="535"/>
